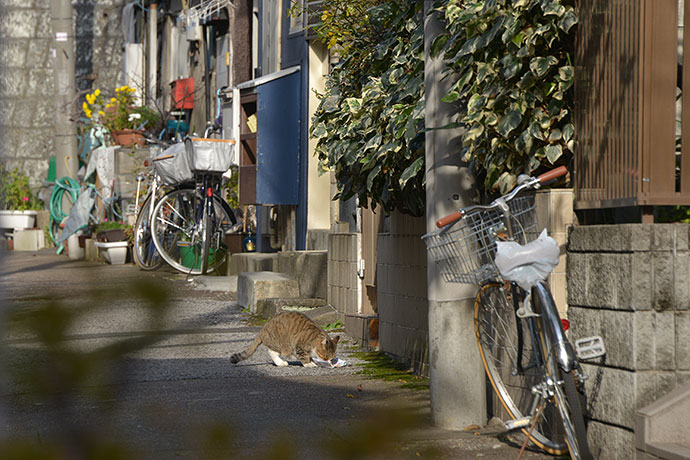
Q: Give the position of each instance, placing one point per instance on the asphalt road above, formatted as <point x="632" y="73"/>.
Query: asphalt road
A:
<point x="101" y="361"/>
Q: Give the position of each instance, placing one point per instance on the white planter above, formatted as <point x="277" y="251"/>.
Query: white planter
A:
<point x="115" y="252"/>
<point x="13" y="220"/>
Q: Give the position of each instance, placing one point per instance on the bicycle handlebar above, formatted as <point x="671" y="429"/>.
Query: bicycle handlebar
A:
<point x="553" y="174"/>
<point x="531" y="183"/>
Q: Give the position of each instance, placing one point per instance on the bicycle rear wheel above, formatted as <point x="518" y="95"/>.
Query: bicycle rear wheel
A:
<point x="145" y="254"/>
<point x="501" y="337"/>
<point x="177" y="230"/>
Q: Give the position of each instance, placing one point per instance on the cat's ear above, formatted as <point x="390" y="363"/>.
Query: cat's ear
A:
<point x="335" y="339"/>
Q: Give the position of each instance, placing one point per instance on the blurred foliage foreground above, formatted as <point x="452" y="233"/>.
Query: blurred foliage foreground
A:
<point x="70" y="393"/>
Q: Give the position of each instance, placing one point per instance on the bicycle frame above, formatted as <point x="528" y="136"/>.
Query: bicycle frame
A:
<point x="545" y="307"/>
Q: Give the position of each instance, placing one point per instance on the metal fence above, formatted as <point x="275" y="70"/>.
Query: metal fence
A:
<point x="629" y="74"/>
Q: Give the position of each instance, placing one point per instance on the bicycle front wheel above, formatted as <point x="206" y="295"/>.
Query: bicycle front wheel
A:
<point x="512" y="366"/>
<point x="177" y="231"/>
<point x="145" y="254"/>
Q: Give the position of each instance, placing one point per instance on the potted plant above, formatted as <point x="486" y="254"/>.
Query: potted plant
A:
<point x="121" y="116"/>
<point x="18" y="205"/>
<point x="112" y="240"/>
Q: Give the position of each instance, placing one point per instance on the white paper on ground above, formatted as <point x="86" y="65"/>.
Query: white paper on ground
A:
<point x="335" y="362"/>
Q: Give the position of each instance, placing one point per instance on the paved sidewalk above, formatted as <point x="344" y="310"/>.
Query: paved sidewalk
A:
<point x="154" y="378"/>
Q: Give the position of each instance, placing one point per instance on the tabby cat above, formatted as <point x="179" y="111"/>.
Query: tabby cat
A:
<point x="292" y="334"/>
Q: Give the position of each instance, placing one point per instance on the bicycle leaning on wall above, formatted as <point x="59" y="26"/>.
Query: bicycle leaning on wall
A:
<point x="188" y="224"/>
<point x="533" y="368"/>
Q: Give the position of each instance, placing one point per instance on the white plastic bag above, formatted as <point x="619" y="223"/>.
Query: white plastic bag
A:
<point x="527" y="264"/>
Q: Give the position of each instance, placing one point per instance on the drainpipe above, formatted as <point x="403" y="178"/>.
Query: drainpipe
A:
<point x="153" y="52"/>
<point x="64" y="59"/>
<point x="457" y="376"/>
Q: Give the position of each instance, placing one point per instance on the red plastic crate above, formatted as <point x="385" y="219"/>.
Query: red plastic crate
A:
<point x="182" y="93"/>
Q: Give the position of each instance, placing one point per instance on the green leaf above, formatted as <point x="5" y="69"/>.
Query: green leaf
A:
<point x="473" y="133"/>
<point x="451" y="97"/>
<point x="353" y="103"/>
<point x="319" y="130"/>
<point x="554" y="9"/>
<point x="553" y="152"/>
<point x="541" y="65"/>
<point x="566" y="73"/>
<point x="372" y="176"/>
<point x="567" y="21"/>
<point x="555" y="135"/>
<point x="373" y="142"/>
<point x="509" y="122"/>
<point x="438" y="44"/>
<point x="568" y="131"/>
<point x="411" y="171"/>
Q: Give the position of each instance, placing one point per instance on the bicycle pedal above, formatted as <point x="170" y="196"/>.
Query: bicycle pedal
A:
<point x="589" y="348"/>
<point x="517" y="423"/>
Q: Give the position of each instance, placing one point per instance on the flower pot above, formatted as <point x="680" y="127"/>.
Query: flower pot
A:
<point x="114" y="234"/>
<point x="114" y="253"/>
<point x="13" y="220"/>
<point x="128" y="137"/>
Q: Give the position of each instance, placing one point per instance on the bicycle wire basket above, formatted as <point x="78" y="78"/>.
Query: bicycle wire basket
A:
<point x="465" y="250"/>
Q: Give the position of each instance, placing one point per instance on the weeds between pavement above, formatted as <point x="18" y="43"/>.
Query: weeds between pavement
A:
<point x="378" y="365"/>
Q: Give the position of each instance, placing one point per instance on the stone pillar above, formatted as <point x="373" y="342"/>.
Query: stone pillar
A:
<point x="457" y="377"/>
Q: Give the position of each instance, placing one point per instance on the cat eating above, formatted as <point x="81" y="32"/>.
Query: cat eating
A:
<point x="293" y="334"/>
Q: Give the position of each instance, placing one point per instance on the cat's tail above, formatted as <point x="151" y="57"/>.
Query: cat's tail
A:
<point x="242" y="355"/>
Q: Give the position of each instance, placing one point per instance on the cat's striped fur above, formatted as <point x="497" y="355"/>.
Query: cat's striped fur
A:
<point x="292" y="334"/>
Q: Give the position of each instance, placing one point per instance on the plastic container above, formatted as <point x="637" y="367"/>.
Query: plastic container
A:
<point x="115" y="252"/>
<point x="74" y="251"/>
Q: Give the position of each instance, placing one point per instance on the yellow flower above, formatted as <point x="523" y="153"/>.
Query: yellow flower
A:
<point x="91" y="98"/>
<point x="85" y="106"/>
<point x="101" y="113"/>
<point x="87" y="112"/>
<point x="112" y="100"/>
<point x="97" y="92"/>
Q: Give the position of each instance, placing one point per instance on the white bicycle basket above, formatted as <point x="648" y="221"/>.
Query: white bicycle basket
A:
<point x="209" y="155"/>
<point x="172" y="165"/>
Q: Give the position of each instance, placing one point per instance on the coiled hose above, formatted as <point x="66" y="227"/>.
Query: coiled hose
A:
<point x="57" y="215"/>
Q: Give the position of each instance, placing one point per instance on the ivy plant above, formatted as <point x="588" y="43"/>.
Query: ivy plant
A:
<point x="370" y="119"/>
<point x="512" y="83"/>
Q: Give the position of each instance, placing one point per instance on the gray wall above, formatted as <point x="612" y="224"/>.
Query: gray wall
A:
<point x="631" y="285"/>
<point x="402" y="291"/>
<point x="26" y="74"/>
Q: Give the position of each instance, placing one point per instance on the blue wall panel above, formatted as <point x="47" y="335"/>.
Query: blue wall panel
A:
<point x="278" y="143"/>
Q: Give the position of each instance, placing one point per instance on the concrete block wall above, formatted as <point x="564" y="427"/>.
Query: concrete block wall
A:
<point x="26" y="74"/>
<point x="344" y="291"/>
<point x="631" y="285"/>
<point x="402" y="291"/>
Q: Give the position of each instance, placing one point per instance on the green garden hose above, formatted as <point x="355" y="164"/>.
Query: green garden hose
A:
<point x="57" y="215"/>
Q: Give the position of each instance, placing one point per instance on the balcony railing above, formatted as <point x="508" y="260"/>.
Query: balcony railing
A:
<point x="629" y="104"/>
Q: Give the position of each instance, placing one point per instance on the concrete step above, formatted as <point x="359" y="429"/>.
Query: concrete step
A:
<point x="310" y="268"/>
<point x="270" y="307"/>
<point x="660" y="430"/>
<point x="254" y="286"/>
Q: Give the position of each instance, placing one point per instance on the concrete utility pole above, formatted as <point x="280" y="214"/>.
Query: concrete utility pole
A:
<point x="64" y="61"/>
<point x="152" y="54"/>
<point x="457" y="376"/>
